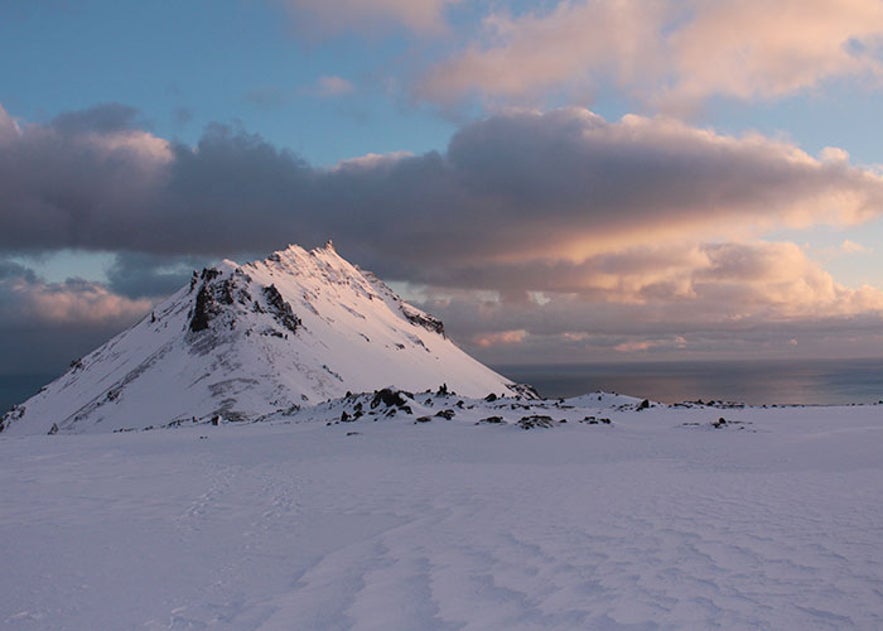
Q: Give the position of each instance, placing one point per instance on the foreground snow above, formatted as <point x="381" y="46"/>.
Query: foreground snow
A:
<point x="664" y="518"/>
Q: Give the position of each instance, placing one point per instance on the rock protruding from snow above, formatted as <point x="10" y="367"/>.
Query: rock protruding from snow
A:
<point x="244" y="342"/>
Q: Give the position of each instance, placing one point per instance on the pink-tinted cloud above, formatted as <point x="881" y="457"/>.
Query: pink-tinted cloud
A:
<point x="421" y="16"/>
<point x="26" y="299"/>
<point x="759" y="49"/>
<point x="331" y="86"/>
<point x="499" y="338"/>
<point x="43" y="326"/>
<point x="735" y="297"/>
<point x="574" y="43"/>
<point x="672" y="53"/>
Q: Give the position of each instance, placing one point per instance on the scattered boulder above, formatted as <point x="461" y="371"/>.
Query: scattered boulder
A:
<point x="536" y="420"/>
<point x="389" y="398"/>
<point x="493" y="420"/>
<point x="592" y="420"/>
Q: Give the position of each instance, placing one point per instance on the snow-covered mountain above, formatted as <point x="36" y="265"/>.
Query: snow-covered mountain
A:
<point x="243" y="342"/>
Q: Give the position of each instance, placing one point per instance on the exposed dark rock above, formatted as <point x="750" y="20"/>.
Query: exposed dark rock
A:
<point x="418" y="318"/>
<point x="389" y="398"/>
<point x="491" y="398"/>
<point x="445" y="414"/>
<point x="209" y="273"/>
<point x="203" y="311"/>
<point x="536" y="420"/>
<point x="525" y="390"/>
<point x="213" y="296"/>
<point x="423" y="419"/>
<point x="495" y="420"/>
<point x="591" y="420"/>
<point x="53" y="430"/>
<point x="644" y="405"/>
<point x="280" y="309"/>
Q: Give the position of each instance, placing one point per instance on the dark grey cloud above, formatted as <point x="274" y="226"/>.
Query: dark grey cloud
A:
<point x="12" y="270"/>
<point x="138" y="275"/>
<point x="519" y="189"/>
<point x="103" y="119"/>
<point x="588" y="234"/>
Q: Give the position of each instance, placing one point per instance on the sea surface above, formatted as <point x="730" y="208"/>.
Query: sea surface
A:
<point x="16" y="388"/>
<point x="815" y="382"/>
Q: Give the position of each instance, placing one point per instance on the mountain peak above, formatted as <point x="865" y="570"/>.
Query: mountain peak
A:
<point x="240" y="342"/>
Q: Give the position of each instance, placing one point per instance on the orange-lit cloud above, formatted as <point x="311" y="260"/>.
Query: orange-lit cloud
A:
<point x="500" y="338"/>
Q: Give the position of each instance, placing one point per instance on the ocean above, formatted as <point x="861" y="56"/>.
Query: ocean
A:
<point x="766" y="382"/>
<point x="16" y="388"/>
<point x="815" y="382"/>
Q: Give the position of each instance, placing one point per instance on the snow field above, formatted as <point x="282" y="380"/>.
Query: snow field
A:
<point x="646" y="523"/>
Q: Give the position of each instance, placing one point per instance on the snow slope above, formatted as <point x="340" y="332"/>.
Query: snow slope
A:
<point x="664" y="518"/>
<point x="241" y="342"/>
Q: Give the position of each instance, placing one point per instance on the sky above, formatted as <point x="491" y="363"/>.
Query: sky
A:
<point x="560" y="181"/>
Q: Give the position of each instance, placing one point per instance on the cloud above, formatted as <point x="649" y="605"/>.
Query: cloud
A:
<point x="724" y="297"/>
<point x="851" y="247"/>
<point x="421" y="16"/>
<point x="581" y="43"/>
<point x="753" y="49"/>
<point x="136" y="276"/>
<point x="500" y="338"/>
<point x="108" y="118"/>
<point x="27" y="300"/>
<point x="556" y="230"/>
<point x="104" y="175"/>
<point x="43" y="326"/>
<point x="330" y="86"/>
<point x="522" y="193"/>
<point x="669" y="53"/>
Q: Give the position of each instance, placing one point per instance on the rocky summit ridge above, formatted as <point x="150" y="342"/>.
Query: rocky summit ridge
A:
<point x="243" y="342"/>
